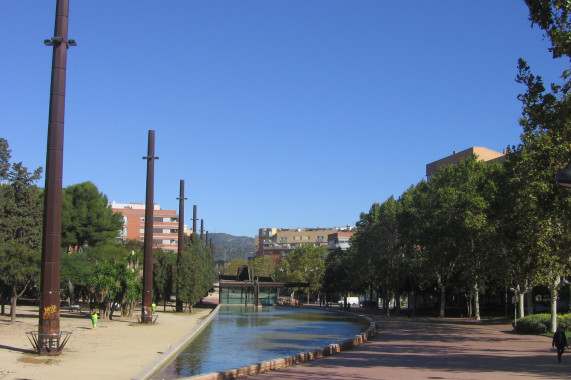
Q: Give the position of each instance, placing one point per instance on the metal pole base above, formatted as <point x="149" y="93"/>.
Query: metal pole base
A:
<point x="48" y="344"/>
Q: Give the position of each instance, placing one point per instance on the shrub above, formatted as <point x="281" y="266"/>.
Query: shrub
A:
<point x="564" y="320"/>
<point x="533" y="324"/>
<point x="541" y="323"/>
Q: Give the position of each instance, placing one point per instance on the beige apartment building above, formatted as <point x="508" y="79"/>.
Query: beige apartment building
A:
<point x="278" y="242"/>
<point x="484" y="154"/>
<point x="165" y="224"/>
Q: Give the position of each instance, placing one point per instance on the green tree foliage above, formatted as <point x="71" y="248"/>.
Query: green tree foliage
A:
<point x="263" y="266"/>
<point x="378" y="258"/>
<point x="195" y="274"/>
<point x="337" y="275"/>
<point x="21" y="207"/>
<point x="304" y="264"/>
<point x="106" y="275"/>
<point x="232" y="266"/>
<point x="163" y="275"/>
<point x="104" y="285"/>
<point x="545" y="149"/>
<point x="87" y="217"/>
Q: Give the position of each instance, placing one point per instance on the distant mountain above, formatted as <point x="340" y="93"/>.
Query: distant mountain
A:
<point x="228" y="247"/>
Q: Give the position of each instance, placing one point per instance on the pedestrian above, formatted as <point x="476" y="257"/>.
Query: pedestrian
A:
<point x="94" y="317"/>
<point x="154" y="307"/>
<point x="559" y="341"/>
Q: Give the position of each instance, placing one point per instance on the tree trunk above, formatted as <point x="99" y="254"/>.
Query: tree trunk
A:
<point x="520" y="304"/>
<point x="553" y="288"/>
<point x="308" y="298"/>
<point x="71" y="293"/>
<point x="387" y="302"/>
<point x="442" y="288"/>
<point x="476" y="290"/>
<point x="469" y="306"/>
<point x="529" y="296"/>
<point x="13" y="302"/>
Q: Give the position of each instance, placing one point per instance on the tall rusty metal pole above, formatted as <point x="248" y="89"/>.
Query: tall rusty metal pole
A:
<point x="147" y="310"/>
<point x="206" y="241"/>
<point x="50" y="340"/>
<point x="201" y="229"/>
<point x="194" y="219"/>
<point x="181" y="198"/>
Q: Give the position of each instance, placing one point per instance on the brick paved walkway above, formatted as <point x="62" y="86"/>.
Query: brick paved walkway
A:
<point x="438" y="349"/>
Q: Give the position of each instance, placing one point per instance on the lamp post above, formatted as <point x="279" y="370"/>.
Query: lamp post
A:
<point x="49" y="340"/>
<point x="181" y="198"/>
<point x="563" y="178"/>
<point x="146" y="311"/>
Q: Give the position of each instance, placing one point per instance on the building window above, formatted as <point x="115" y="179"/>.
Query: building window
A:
<point x="320" y="238"/>
<point x="283" y="240"/>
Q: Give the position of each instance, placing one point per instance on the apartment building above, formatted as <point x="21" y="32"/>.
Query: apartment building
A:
<point x="339" y="240"/>
<point x="484" y="154"/>
<point x="277" y="242"/>
<point x="165" y="224"/>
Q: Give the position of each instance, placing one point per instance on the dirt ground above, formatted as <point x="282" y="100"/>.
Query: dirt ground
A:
<point x="116" y="349"/>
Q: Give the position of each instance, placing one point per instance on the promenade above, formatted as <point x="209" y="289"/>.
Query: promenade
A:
<point x="429" y="348"/>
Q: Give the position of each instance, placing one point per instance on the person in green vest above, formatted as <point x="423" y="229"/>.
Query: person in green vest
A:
<point x="154" y="306"/>
<point x="94" y="317"/>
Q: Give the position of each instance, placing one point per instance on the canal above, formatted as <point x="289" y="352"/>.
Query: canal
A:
<point x="240" y="336"/>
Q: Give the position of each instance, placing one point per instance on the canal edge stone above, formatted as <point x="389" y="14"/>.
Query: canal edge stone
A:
<point x="165" y="358"/>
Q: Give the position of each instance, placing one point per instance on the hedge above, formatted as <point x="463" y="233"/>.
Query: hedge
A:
<point x="541" y="323"/>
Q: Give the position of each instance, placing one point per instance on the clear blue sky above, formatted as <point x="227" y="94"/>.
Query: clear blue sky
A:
<point x="275" y="113"/>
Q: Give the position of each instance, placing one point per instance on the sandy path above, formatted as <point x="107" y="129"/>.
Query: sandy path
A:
<point x="117" y="349"/>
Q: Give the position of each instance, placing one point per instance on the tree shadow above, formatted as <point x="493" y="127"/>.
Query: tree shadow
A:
<point x="17" y="349"/>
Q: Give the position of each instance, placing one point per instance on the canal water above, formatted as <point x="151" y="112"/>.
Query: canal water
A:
<point x="240" y="336"/>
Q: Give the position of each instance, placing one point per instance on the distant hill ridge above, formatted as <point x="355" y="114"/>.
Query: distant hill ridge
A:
<point x="228" y="247"/>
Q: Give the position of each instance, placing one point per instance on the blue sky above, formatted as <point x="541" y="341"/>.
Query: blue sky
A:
<point x="275" y="113"/>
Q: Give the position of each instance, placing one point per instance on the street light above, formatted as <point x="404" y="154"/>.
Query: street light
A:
<point x="563" y="178"/>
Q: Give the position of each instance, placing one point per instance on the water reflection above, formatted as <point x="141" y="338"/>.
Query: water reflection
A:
<point x="240" y="336"/>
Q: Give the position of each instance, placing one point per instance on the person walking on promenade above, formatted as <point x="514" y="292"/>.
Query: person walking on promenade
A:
<point x="559" y="341"/>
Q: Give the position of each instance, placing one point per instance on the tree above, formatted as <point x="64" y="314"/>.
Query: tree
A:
<point x="87" y="217"/>
<point x="21" y="205"/>
<point x="545" y="149"/>
<point x="194" y="273"/>
<point x="337" y="274"/>
<point x="163" y="275"/>
<point x="232" y="266"/>
<point x="305" y="264"/>
<point x="104" y="285"/>
<point x="263" y="266"/>
<point x="5" y="155"/>
<point x="377" y="253"/>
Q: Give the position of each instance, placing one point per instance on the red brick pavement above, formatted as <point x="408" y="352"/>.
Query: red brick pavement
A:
<point x="438" y="349"/>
